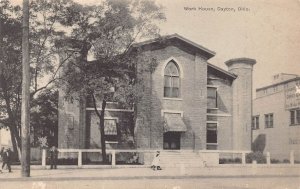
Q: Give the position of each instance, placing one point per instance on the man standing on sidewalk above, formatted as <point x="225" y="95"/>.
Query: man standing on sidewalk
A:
<point x="6" y="156"/>
<point x="53" y="157"/>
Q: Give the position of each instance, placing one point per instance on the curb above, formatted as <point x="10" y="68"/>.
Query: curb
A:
<point x="143" y="177"/>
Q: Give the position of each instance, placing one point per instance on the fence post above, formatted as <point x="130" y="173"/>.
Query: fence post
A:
<point x="79" y="158"/>
<point x="44" y="155"/>
<point x="292" y="157"/>
<point x="268" y="158"/>
<point x="243" y="158"/>
<point x="113" y="158"/>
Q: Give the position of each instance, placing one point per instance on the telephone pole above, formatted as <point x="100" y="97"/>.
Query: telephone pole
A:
<point x="25" y="116"/>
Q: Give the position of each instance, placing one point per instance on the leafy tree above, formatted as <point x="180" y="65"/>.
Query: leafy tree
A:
<point x="44" y="117"/>
<point x="10" y="69"/>
<point x="45" y="18"/>
<point x="108" y="31"/>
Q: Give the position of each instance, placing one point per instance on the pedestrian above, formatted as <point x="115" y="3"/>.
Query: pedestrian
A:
<point x="156" y="162"/>
<point x="1" y="158"/>
<point x="6" y="157"/>
<point x="53" y="157"/>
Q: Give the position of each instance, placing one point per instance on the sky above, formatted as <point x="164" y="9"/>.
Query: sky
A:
<point x="269" y="32"/>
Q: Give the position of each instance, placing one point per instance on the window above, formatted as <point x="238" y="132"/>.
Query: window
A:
<point x="110" y="129"/>
<point x="295" y="117"/>
<point x="211" y="136"/>
<point x="255" y="122"/>
<point x="211" y="97"/>
<point x="172" y="80"/>
<point x="268" y="120"/>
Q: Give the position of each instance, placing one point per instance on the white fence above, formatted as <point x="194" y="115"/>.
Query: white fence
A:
<point x="207" y="155"/>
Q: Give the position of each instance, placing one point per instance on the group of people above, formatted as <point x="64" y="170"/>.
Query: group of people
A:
<point x="5" y="157"/>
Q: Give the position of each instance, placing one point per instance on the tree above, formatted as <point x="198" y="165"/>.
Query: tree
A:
<point x="10" y="72"/>
<point x="108" y="31"/>
<point x="43" y="117"/>
<point x="45" y="18"/>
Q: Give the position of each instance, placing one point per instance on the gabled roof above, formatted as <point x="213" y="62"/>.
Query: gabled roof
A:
<point x="177" y="38"/>
<point x="227" y="73"/>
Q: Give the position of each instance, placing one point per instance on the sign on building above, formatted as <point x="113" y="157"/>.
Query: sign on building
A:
<point x="292" y="95"/>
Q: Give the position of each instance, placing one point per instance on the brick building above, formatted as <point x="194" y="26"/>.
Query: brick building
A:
<point x="187" y="103"/>
<point x="276" y="117"/>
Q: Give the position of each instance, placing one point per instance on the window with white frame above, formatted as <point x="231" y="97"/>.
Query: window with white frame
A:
<point x="110" y="130"/>
<point x="269" y="120"/>
<point x="172" y="80"/>
<point x="255" y="122"/>
<point x="212" y="97"/>
<point x="295" y="117"/>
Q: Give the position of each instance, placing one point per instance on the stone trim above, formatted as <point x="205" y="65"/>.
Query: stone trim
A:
<point x="112" y="110"/>
<point x="171" y="111"/>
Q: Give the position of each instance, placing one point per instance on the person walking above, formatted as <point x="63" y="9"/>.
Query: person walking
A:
<point x="53" y="157"/>
<point x="156" y="162"/>
<point x="6" y="157"/>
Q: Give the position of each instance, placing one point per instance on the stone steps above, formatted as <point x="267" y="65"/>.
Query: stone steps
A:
<point x="181" y="159"/>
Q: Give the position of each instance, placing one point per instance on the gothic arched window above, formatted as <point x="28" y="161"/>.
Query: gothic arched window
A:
<point x="172" y="80"/>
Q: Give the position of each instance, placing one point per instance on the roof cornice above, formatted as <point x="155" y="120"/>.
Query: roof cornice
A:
<point x="206" y="52"/>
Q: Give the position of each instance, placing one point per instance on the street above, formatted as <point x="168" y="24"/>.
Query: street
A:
<point x="206" y="183"/>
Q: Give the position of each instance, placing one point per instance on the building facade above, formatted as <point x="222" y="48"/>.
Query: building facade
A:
<point x="276" y="117"/>
<point x="187" y="104"/>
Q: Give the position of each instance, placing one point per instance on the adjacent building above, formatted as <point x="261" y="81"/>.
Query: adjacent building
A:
<point x="276" y="117"/>
<point x="187" y="104"/>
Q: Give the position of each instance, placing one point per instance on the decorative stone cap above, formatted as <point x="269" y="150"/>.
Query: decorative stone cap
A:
<point x="240" y="60"/>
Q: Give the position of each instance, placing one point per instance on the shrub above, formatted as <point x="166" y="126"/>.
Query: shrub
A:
<point x="230" y="161"/>
<point x="257" y="156"/>
<point x="275" y="161"/>
<point x="286" y="161"/>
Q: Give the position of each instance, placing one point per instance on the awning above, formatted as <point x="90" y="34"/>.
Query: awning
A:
<point x="173" y="122"/>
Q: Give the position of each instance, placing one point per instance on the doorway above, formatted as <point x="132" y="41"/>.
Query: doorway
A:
<point x="172" y="141"/>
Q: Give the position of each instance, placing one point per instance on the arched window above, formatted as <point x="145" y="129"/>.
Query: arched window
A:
<point x="172" y="80"/>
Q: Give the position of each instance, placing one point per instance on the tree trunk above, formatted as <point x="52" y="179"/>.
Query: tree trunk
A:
<point x="101" y="125"/>
<point x="15" y="137"/>
<point x="103" y="145"/>
<point x="14" y="144"/>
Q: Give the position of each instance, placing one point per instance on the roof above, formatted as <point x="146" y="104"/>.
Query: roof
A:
<point x="280" y="83"/>
<point x="222" y="70"/>
<point x="238" y="60"/>
<point x="170" y="38"/>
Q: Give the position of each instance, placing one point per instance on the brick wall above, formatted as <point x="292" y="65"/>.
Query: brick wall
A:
<point x="192" y="100"/>
<point x="71" y="114"/>
<point x="224" y="112"/>
<point x="70" y="123"/>
<point x="242" y="102"/>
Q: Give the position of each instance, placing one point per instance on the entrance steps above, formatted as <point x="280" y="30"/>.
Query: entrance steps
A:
<point x="178" y="158"/>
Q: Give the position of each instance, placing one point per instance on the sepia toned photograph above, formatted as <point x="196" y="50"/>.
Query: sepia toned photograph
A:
<point x="154" y="94"/>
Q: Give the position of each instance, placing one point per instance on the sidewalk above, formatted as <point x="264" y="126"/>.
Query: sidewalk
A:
<point x="147" y="173"/>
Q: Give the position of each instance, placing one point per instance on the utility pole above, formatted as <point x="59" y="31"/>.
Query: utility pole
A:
<point x="25" y="117"/>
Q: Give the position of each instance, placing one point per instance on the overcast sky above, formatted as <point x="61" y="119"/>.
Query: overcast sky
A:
<point x="269" y="32"/>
